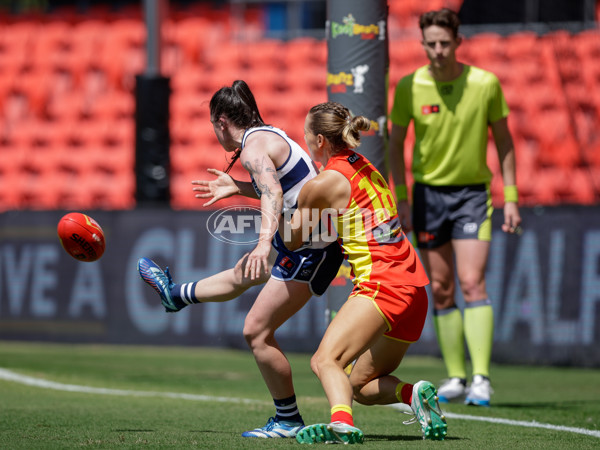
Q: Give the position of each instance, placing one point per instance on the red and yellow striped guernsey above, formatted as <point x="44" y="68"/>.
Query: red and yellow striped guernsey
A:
<point x="369" y="230"/>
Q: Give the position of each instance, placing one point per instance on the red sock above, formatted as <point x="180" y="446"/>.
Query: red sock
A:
<point x="404" y="392"/>
<point x="342" y="413"/>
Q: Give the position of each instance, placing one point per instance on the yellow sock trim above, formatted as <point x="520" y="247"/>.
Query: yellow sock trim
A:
<point x="344" y="408"/>
<point x="399" y="387"/>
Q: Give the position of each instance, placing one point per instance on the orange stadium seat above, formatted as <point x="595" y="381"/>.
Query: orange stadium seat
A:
<point x="542" y="97"/>
<point x="188" y="106"/>
<point x="226" y="54"/>
<point x="35" y="87"/>
<point x="507" y="75"/>
<point x="66" y="108"/>
<point x="585" y="110"/>
<point x="182" y="196"/>
<point x="304" y="78"/>
<point x="222" y="75"/>
<point x="269" y="80"/>
<point x="192" y="34"/>
<point x="179" y="157"/>
<point x="557" y="144"/>
<point x="187" y="79"/>
<point x="487" y="46"/>
<point x="9" y="192"/>
<point x="110" y="105"/>
<point x="590" y="70"/>
<point x="20" y="34"/>
<point x="183" y="132"/>
<point x="528" y="72"/>
<point x="129" y="31"/>
<point x="88" y="43"/>
<point x="563" y="154"/>
<point x="13" y="58"/>
<point x="586" y="125"/>
<point x="406" y="56"/>
<point x="587" y="44"/>
<point x="66" y="94"/>
<point x="121" y="61"/>
<point x="265" y="53"/>
<point x="93" y="82"/>
<point x="306" y="49"/>
<point x="547" y="185"/>
<point x="522" y="46"/>
<point x="591" y="152"/>
<point x="76" y="134"/>
<point x="580" y="188"/>
<point x="119" y="133"/>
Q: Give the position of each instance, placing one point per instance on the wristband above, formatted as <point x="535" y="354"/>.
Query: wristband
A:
<point x="511" y="194"/>
<point x="401" y="192"/>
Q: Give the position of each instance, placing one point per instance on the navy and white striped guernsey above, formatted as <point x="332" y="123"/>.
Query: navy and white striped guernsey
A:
<point x="293" y="173"/>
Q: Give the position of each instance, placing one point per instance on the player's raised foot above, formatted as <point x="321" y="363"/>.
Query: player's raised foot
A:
<point x="428" y="412"/>
<point x="479" y="391"/>
<point x="452" y="389"/>
<point x="330" y="433"/>
<point x="275" y="429"/>
<point x="161" y="282"/>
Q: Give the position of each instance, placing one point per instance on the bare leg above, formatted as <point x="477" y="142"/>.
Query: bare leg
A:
<point x="231" y="283"/>
<point x="355" y="328"/>
<point x="439" y="263"/>
<point x="276" y="303"/>
<point x="370" y="377"/>
<point x="471" y="259"/>
<point x="447" y="319"/>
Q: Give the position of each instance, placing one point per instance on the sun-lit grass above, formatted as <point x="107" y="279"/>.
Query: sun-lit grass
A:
<point x="35" y="417"/>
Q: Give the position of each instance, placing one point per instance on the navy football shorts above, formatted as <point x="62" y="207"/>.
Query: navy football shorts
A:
<point x="315" y="266"/>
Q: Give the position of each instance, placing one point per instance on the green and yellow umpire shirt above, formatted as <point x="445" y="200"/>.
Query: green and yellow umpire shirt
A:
<point x="451" y="124"/>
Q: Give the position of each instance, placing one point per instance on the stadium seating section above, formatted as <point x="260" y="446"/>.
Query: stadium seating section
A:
<point x="67" y="108"/>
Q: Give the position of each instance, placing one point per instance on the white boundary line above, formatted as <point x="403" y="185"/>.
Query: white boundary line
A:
<point x="9" y="375"/>
<point x="518" y="423"/>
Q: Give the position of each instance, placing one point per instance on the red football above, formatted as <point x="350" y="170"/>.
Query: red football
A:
<point x="81" y="237"/>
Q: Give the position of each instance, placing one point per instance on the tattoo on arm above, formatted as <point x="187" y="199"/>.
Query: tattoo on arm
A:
<point x="258" y="171"/>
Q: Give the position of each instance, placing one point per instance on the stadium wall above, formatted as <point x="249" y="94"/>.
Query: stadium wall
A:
<point x="545" y="284"/>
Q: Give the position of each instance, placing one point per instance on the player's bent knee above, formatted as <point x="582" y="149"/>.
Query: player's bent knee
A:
<point x="442" y="289"/>
<point x="314" y="365"/>
<point x="322" y="362"/>
<point x="251" y="331"/>
<point x="473" y="288"/>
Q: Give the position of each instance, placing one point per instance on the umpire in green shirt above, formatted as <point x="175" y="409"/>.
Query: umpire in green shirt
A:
<point x="452" y="105"/>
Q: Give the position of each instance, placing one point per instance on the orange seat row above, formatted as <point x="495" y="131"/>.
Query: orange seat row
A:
<point x="71" y="118"/>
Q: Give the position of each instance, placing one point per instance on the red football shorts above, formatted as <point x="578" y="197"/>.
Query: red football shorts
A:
<point x="404" y="308"/>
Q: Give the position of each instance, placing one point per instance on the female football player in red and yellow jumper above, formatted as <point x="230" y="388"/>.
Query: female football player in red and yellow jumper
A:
<point x="386" y="311"/>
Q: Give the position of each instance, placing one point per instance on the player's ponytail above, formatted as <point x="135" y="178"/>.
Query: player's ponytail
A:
<point x="245" y="94"/>
<point x="237" y="103"/>
<point x="351" y="132"/>
<point x="334" y="121"/>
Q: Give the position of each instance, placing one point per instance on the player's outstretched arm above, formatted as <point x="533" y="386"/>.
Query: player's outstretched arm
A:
<point x="221" y="187"/>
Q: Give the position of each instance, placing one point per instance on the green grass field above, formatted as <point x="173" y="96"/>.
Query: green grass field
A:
<point x="115" y="396"/>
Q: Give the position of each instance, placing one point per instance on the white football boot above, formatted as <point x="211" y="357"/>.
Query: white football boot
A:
<point x="452" y="389"/>
<point x="479" y="391"/>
